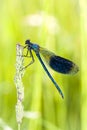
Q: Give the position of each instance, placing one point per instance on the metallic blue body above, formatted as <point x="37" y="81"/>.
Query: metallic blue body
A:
<point x="30" y="46"/>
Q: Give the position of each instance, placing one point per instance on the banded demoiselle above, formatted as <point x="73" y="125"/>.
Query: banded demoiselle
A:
<point x="57" y="63"/>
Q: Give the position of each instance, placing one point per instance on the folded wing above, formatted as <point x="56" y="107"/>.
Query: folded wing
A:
<point x="58" y="63"/>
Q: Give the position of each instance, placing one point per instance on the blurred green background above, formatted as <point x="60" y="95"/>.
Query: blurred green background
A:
<point x="60" y="26"/>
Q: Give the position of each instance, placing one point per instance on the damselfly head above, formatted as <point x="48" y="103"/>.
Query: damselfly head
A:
<point x="27" y="42"/>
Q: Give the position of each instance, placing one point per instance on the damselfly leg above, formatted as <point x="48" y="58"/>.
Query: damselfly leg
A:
<point x="28" y="56"/>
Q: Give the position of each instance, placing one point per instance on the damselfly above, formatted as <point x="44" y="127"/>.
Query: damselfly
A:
<point x="57" y="63"/>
